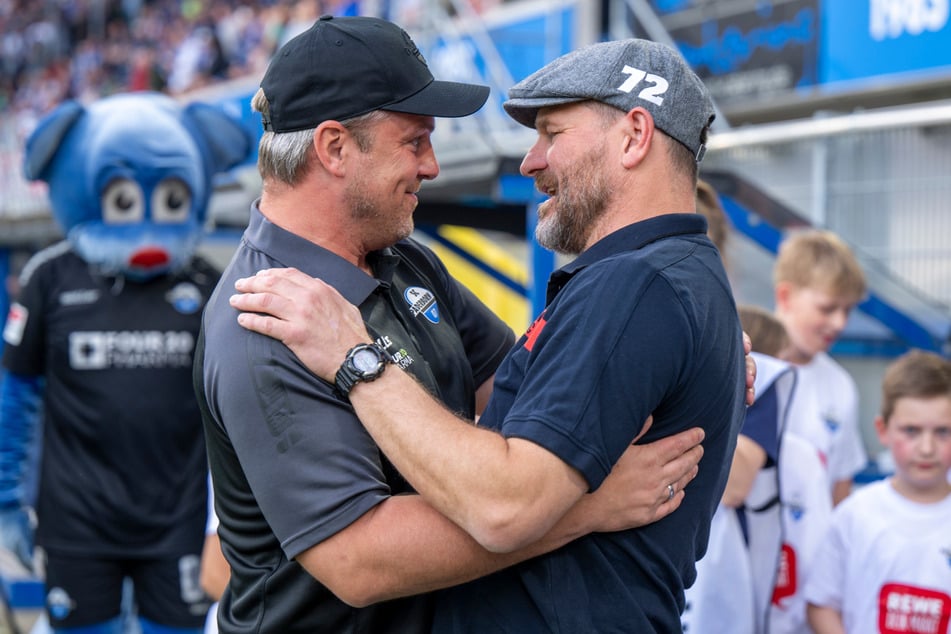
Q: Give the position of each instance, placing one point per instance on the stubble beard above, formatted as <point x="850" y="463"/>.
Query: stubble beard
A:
<point x="382" y="227"/>
<point x="581" y="200"/>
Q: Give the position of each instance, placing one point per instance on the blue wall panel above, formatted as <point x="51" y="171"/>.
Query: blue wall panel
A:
<point x="869" y="38"/>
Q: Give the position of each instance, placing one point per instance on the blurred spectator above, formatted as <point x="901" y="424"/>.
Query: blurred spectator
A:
<point x="82" y="50"/>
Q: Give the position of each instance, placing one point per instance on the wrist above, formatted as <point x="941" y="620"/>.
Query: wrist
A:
<point x="363" y="363"/>
<point x="580" y="520"/>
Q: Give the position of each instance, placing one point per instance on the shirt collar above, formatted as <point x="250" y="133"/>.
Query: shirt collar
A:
<point x="629" y="238"/>
<point x="291" y="250"/>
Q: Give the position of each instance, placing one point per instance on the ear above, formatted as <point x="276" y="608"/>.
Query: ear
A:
<point x="638" y="137"/>
<point x="46" y="139"/>
<point x="332" y="142"/>
<point x="881" y="429"/>
<point x="227" y="141"/>
<point x="783" y="293"/>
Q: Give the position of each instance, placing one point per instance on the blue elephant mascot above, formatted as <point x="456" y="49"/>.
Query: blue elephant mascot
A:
<point x="98" y="345"/>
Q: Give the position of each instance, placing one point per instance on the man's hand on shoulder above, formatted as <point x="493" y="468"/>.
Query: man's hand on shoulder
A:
<point x="307" y="314"/>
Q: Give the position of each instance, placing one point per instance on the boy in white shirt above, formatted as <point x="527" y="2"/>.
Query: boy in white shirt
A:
<point x="817" y="283"/>
<point x="886" y="563"/>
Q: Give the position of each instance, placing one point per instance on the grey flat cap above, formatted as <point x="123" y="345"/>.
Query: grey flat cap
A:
<point x="624" y="74"/>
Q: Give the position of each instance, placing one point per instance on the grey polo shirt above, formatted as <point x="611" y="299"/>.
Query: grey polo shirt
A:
<point x="291" y="463"/>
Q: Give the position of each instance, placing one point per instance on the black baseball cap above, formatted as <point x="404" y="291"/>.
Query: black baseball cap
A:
<point x="343" y="67"/>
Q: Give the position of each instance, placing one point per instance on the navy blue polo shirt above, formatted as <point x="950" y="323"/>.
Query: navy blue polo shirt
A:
<point x="291" y="463"/>
<point x="761" y="425"/>
<point x="642" y="322"/>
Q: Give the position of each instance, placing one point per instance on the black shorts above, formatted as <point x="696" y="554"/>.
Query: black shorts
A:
<point x="83" y="590"/>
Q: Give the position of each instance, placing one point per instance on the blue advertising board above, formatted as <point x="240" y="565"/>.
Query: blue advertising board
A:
<point x="863" y="39"/>
<point x="746" y="49"/>
<point x="753" y="49"/>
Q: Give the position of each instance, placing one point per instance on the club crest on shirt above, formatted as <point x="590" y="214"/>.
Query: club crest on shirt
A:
<point x="796" y="508"/>
<point x="422" y="302"/>
<point x="59" y="603"/>
<point x="832" y="423"/>
<point x="531" y="335"/>
<point x="185" y="298"/>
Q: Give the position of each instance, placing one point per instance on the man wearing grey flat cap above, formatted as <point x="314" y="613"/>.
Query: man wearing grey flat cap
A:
<point x="322" y="533"/>
<point x="641" y="322"/>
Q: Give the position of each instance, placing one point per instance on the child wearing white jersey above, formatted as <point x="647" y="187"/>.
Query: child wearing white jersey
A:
<point x="885" y="565"/>
<point x="817" y="283"/>
<point x="775" y="508"/>
<point x="776" y="505"/>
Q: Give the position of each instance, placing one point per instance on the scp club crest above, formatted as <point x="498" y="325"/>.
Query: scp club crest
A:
<point x="422" y="302"/>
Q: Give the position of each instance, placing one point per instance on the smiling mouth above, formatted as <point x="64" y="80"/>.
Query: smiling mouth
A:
<point x="546" y="187"/>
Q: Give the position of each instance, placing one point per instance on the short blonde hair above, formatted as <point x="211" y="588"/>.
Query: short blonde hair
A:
<point x="915" y="374"/>
<point x="819" y="259"/>
<point x="766" y="332"/>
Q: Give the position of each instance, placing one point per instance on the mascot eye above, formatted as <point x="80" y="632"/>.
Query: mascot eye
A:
<point x="171" y="202"/>
<point x="123" y="202"/>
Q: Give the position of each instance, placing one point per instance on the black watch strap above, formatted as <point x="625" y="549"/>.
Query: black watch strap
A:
<point x="350" y="373"/>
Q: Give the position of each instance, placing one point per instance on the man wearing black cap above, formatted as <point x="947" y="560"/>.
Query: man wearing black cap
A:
<point x="642" y="321"/>
<point x="309" y="508"/>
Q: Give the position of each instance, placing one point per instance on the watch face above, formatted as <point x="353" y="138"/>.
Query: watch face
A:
<point x="366" y="361"/>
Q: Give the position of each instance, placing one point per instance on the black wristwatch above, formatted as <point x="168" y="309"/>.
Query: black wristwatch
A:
<point x="364" y="362"/>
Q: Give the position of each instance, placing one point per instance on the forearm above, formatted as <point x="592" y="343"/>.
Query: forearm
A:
<point x="19" y="416"/>
<point x="403" y="546"/>
<point x="824" y="620"/>
<point x="748" y="459"/>
<point x="841" y="490"/>
<point x="483" y="392"/>
<point x="504" y="492"/>
<point x="214" y="570"/>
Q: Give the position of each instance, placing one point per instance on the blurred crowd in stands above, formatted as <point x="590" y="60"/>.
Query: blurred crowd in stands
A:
<point x="52" y="50"/>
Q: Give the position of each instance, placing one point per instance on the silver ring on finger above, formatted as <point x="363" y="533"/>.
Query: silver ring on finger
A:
<point x="670" y="492"/>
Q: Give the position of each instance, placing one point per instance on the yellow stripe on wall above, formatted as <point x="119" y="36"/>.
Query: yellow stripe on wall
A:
<point x="509" y="305"/>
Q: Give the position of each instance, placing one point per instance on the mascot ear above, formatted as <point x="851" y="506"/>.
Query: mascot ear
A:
<point x="46" y="139"/>
<point x="227" y="140"/>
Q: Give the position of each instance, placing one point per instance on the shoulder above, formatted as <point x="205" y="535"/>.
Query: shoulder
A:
<point x="828" y="373"/>
<point x="415" y="253"/>
<point x="420" y="265"/>
<point x="824" y="364"/>
<point x="48" y="259"/>
<point x="688" y="264"/>
<point x="866" y="501"/>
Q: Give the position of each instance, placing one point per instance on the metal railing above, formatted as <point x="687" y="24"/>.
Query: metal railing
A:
<point x="877" y="178"/>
